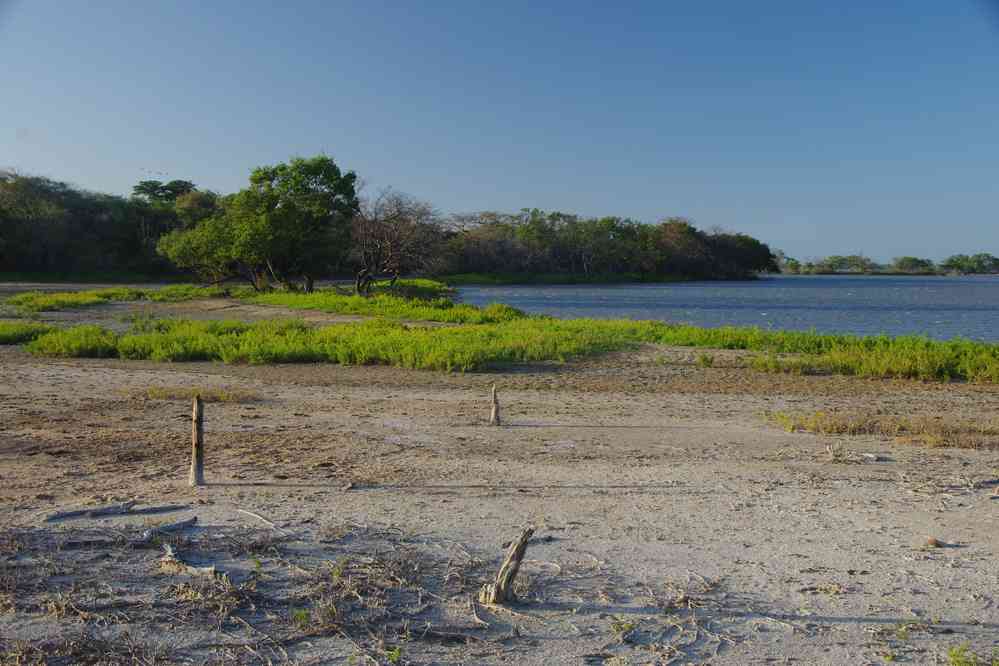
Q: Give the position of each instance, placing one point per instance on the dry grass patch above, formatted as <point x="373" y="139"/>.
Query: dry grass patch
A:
<point x="207" y="394"/>
<point x="933" y="430"/>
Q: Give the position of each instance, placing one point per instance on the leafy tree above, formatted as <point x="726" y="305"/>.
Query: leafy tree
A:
<point x="913" y="265"/>
<point x="289" y="226"/>
<point x="982" y="262"/>
<point x="155" y="191"/>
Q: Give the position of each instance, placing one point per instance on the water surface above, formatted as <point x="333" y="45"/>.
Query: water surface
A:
<point x="940" y="307"/>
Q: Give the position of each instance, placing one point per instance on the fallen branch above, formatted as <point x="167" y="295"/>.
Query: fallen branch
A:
<point x="264" y="521"/>
<point x="111" y="510"/>
<point x="501" y="591"/>
<point x="120" y="509"/>
<point x="148" y="535"/>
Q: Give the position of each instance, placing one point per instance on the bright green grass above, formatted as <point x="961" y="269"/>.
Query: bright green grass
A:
<point x="478" y="346"/>
<point x="390" y="306"/>
<point x="37" y="301"/>
<point x="465" y="347"/>
<point x="76" y="342"/>
<point x="414" y="288"/>
<point x="19" y="332"/>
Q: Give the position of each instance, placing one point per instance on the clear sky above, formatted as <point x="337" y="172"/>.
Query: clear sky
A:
<point x="819" y="127"/>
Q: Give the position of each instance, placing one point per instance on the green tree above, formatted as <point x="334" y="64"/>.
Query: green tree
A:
<point x="913" y="265"/>
<point x="289" y="226"/>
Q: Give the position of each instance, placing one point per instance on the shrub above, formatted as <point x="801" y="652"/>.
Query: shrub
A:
<point x="78" y="341"/>
<point x="15" y="333"/>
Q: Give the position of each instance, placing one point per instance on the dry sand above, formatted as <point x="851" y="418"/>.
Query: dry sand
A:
<point x="675" y="524"/>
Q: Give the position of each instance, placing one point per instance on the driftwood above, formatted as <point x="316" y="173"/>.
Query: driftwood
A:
<point x="111" y="510"/>
<point x="197" y="474"/>
<point x="172" y="563"/>
<point x="121" y="509"/>
<point x="501" y="591"/>
<point x="494" y="416"/>
<point x="264" y="521"/>
<point x="148" y="535"/>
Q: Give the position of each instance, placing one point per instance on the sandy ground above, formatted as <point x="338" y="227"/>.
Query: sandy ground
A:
<point x="674" y="523"/>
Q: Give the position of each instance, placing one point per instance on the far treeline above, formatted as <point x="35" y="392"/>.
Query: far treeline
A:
<point x="962" y="264"/>
<point x="303" y="220"/>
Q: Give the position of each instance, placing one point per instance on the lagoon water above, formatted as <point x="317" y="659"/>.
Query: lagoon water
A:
<point x="939" y="307"/>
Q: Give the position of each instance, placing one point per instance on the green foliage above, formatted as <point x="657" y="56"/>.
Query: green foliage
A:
<point x="913" y="265"/>
<point x="421" y="288"/>
<point x="390" y="306"/>
<point x="50" y="227"/>
<point x="37" y="301"/>
<point x="76" y="342"/>
<point x="18" y="332"/>
<point x="978" y="263"/>
<point x="904" y="357"/>
<point x="291" y="223"/>
<point x="537" y="246"/>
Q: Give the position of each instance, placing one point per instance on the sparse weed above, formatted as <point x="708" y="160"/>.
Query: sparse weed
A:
<point x="705" y="361"/>
<point x="961" y="655"/>
<point x="207" y="394"/>
<point x="934" y="431"/>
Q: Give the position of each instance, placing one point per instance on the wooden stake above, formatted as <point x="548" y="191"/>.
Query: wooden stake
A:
<point x="501" y="591"/>
<point x="494" y="417"/>
<point x="197" y="475"/>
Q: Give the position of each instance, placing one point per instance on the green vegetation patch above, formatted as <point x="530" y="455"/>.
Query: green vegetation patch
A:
<point x="76" y="342"/>
<point x="39" y="301"/>
<point x="466" y="347"/>
<point x="387" y="305"/>
<point x="499" y="334"/>
<point x="18" y="332"/>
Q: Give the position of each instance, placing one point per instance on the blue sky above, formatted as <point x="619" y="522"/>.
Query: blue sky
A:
<point x="821" y="128"/>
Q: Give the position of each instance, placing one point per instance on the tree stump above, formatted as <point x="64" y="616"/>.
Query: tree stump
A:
<point x="494" y="416"/>
<point x="501" y="591"/>
<point x="197" y="475"/>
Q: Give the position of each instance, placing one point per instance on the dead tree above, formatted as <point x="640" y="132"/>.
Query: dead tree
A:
<point x="494" y="416"/>
<point x="501" y="591"/>
<point x="197" y="475"/>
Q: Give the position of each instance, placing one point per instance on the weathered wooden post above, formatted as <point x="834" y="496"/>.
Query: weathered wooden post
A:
<point x="494" y="416"/>
<point x="197" y="475"/>
<point x="501" y="591"/>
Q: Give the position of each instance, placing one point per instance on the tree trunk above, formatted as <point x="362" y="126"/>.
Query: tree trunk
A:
<point x="197" y="475"/>
<point x="501" y="591"/>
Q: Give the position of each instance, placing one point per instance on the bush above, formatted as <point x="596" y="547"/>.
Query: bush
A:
<point x="78" y="341"/>
<point x="16" y="333"/>
<point x="393" y="307"/>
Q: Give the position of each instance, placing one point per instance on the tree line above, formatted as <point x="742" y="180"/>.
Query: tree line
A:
<point x="982" y="263"/>
<point x="303" y="220"/>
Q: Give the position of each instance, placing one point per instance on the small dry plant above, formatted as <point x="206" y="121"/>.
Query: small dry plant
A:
<point x="934" y="431"/>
